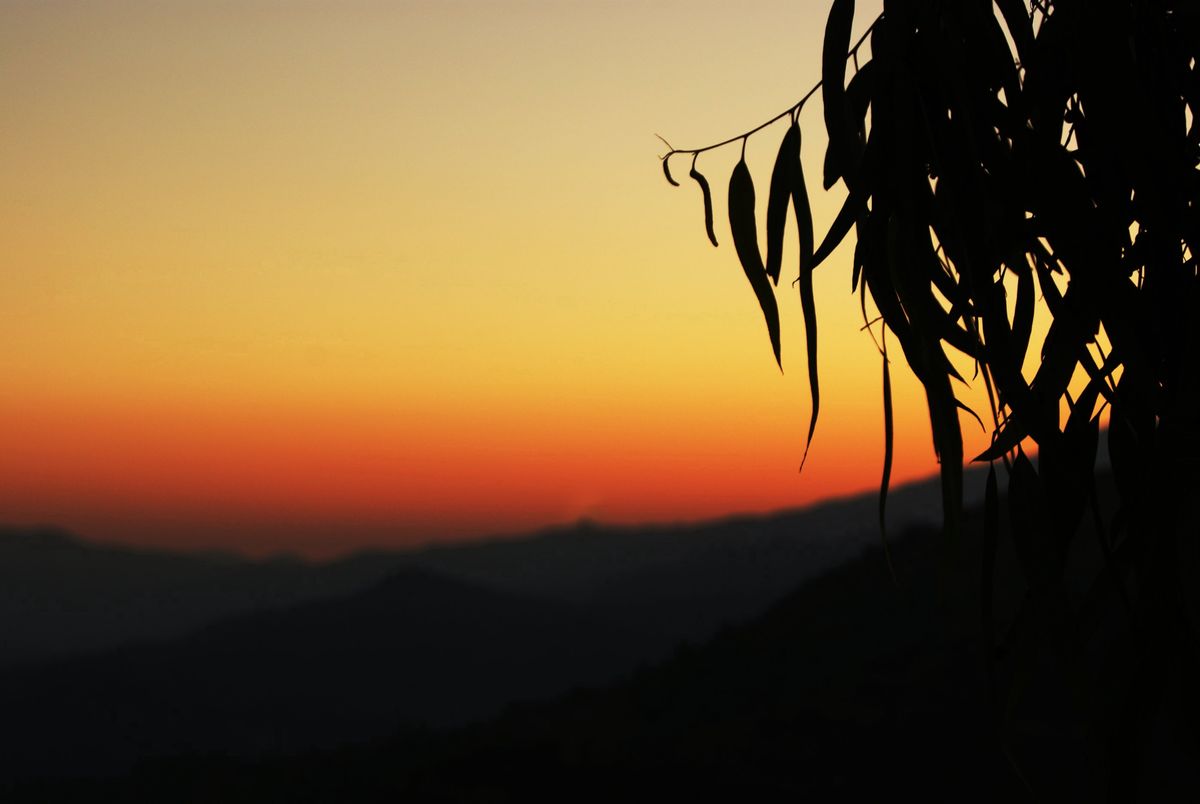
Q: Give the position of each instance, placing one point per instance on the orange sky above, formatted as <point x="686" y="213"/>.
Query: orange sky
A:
<point x="315" y="276"/>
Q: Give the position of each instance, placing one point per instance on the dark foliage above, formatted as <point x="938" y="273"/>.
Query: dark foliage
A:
<point x="997" y="156"/>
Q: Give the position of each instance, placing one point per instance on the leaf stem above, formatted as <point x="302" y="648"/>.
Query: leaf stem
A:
<point x="793" y="109"/>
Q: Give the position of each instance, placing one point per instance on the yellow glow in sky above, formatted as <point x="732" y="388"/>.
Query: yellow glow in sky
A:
<point x="319" y="275"/>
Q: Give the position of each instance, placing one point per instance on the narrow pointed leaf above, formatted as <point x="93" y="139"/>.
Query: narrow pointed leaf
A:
<point x="1017" y="19"/>
<point x="1065" y="342"/>
<point x="966" y="409"/>
<point x="833" y="85"/>
<point x="859" y="94"/>
<point x="809" y="309"/>
<point x="1022" y="325"/>
<point x="861" y="244"/>
<point x="804" y="226"/>
<point x="708" y="206"/>
<point x="744" y="227"/>
<point x="802" y="209"/>
<point x="782" y="180"/>
<point x="947" y="439"/>
<point x="1013" y="434"/>
<point x="840" y="227"/>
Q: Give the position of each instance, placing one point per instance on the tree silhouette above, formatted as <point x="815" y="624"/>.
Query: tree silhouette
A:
<point x="998" y="156"/>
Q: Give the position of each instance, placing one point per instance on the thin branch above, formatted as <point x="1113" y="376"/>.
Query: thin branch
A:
<point x="793" y="109"/>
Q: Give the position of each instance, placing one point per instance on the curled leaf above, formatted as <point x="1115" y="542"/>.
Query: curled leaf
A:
<point x="666" y="162"/>
<point x="745" y="240"/>
<point x="708" y="207"/>
<point x="966" y="409"/>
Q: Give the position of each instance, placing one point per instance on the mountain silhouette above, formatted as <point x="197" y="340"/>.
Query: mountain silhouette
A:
<point x="452" y="635"/>
<point x="848" y="689"/>
<point x="61" y="595"/>
<point x="413" y="649"/>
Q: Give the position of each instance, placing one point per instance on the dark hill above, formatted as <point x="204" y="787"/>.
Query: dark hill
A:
<point x="416" y="648"/>
<point x="847" y="690"/>
<point x="61" y="595"/>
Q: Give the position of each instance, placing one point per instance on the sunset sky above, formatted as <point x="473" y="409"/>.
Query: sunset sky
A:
<point x="318" y="276"/>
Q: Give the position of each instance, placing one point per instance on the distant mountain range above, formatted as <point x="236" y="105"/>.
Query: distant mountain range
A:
<point x="848" y="688"/>
<point x="413" y="649"/>
<point x="62" y="595"/>
<point x="561" y="667"/>
<point x="116" y="655"/>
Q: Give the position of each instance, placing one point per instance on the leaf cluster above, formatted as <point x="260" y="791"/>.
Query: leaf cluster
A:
<point x="998" y="156"/>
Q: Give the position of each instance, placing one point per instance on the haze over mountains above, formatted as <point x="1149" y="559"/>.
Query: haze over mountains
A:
<point x="846" y="688"/>
<point x="113" y="655"/>
<point x="61" y="595"/>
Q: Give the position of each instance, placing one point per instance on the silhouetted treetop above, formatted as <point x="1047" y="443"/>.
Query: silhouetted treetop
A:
<point x="998" y="156"/>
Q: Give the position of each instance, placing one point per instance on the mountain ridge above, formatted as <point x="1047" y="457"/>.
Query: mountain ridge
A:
<point x="61" y="595"/>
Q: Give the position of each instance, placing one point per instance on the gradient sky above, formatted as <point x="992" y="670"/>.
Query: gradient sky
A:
<point x="315" y="276"/>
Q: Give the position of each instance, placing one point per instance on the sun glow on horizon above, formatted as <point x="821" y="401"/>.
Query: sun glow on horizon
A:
<point x="317" y="277"/>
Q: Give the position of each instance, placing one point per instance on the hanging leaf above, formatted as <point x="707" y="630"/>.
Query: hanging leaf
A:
<point x="804" y="226"/>
<point x="1022" y="326"/>
<point x="875" y="276"/>
<point x="666" y="162"/>
<point x="1017" y="19"/>
<point x="744" y="227"/>
<point x="782" y="182"/>
<point x="840" y="227"/>
<point x="802" y="209"/>
<point x="967" y="410"/>
<point x="947" y="442"/>
<point x="859" y="93"/>
<point x="1008" y="439"/>
<point x="910" y="251"/>
<point x="861" y="244"/>
<point x="1005" y="370"/>
<point x="1064" y="344"/>
<point x="833" y="86"/>
<point x="854" y="206"/>
<point x="708" y="206"/>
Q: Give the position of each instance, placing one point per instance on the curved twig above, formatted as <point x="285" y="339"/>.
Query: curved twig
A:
<point x="791" y="110"/>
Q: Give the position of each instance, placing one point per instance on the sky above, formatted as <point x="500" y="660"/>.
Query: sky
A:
<point x="313" y="277"/>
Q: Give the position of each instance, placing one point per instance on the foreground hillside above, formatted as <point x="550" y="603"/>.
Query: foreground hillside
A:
<point x="416" y="649"/>
<point x="849" y="689"/>
<point x="154" y="654"/>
